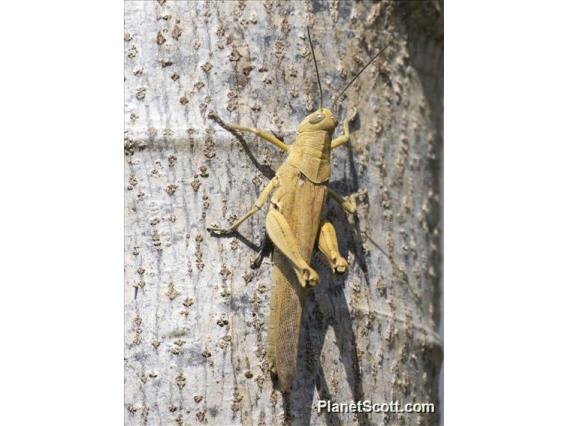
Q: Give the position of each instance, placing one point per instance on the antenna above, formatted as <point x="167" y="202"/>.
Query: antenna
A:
<point x="356" y="76"/>
<point x="316" y="64"/>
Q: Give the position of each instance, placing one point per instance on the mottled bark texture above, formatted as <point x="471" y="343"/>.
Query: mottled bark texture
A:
<point x="196" y="314"/>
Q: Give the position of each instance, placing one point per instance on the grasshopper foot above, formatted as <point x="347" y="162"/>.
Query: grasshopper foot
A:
<point x="349" y="204"/>
<point x="339" y="265"/>
<point x="218" y="231"/>
<point x="310" y="277"/>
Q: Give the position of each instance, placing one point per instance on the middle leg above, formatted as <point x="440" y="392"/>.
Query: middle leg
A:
<point x="261" y="201"/>
<point x="327" y="243"/>
<point x="344" y="138"/>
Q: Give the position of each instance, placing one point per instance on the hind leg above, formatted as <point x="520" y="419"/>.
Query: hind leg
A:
<point x="327" y="243"/>
<point x="283" y="237"/>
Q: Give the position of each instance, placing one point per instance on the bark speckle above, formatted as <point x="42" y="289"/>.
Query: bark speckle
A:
<point x="203" y="171"/>
<point x="132" y="52"/>
<point x="207" y="67"/>
<point x="140" y="93"/>
<point x="172" y="292"/>
<point x="180" y="381"/>
<point x="171" y="189"/>
<point x="160" y="39"/>
<point x="176" y="32"/>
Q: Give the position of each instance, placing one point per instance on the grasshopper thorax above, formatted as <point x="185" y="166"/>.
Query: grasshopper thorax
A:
<point x="322" y="119"/>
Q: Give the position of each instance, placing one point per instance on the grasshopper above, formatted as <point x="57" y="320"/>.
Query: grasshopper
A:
<point x="295" y="224"/>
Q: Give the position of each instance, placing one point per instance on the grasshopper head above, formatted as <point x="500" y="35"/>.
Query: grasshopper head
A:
<point x="322" y="119"/>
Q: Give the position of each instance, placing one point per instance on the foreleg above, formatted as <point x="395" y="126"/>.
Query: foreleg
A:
<point x="344" y="138"/>
<point x="263" y="134"/>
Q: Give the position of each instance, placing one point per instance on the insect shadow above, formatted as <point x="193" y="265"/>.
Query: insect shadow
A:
<point x="352" y="185"/>
<point x="244" y="240"/>
<point x="326" y="308"/>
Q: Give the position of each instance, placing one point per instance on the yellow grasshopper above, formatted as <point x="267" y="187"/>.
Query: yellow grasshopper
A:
<point x="295" y="225"/>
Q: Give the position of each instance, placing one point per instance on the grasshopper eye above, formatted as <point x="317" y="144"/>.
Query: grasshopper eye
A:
<point x="316" y="118"/>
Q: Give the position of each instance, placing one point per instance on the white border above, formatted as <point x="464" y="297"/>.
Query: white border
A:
<point x="61" y="168"/>
<point x="505" y="217"/>
<point x="505" y="212"/>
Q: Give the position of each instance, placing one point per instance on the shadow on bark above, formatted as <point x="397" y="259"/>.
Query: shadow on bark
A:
<point x="236" y="234"/>
<point x="326" y="307"/>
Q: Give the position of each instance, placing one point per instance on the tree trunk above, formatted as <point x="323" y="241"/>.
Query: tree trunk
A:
<point x="196" y="314"/>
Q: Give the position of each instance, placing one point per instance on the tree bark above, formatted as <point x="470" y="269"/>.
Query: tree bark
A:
<point x="196" y="314"/>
